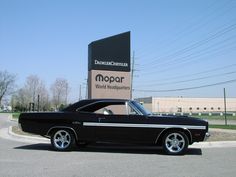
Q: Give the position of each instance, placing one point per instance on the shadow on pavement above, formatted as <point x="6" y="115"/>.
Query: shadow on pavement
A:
<point x="40" y="146"/>
<point x="110" y="148"/>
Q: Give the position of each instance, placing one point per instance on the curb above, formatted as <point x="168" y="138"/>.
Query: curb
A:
<point x="25" y="137"/>
<point x="215" y="144"/>
<point x="6" y="133"/>
<point x="222" y="130"/>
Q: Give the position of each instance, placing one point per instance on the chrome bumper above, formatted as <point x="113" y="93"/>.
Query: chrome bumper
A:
<point x="207" y="135"/>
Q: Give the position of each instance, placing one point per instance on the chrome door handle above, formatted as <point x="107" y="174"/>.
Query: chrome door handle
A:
<point x="76" y="123"/>
<point x="101" y="118"/>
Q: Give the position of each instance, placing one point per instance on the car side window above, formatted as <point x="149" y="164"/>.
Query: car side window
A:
<point x="113" y="110"/>
<point x="131" y="111"/>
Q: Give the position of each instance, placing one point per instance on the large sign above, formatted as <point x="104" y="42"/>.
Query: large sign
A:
<point x="109" y="67"/>
<point x="109" y="84"/>
<point x="112" y="53"/>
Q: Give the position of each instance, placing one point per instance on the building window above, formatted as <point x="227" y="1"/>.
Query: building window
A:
<point x="179" y="109"/>
<point x="198" y="108"/>
<point x="190" y="108"/>
<point x="205" y="108"/>
<point x="218" y="108"/>
<point x="212" y="108"/>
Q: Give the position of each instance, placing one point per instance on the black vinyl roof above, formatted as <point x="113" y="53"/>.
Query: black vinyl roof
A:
<point x="83" y="103"/>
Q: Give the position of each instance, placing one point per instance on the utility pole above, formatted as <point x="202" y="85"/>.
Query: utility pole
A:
<point x="79" y="92"/>
<point x="38" y="102"/>
<point x="66" y="93"/>
<point x="225" y="107"/>
<point x="132" y="76"/>
<point x="86" y="89"/>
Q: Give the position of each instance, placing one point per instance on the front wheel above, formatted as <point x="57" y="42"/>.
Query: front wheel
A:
<point x="175" y="142"/>
<point x="62" y="140"/>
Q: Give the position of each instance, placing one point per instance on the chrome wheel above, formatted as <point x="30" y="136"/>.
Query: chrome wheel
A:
<point x="175" y="142"/>
<point x="62" y="139"/>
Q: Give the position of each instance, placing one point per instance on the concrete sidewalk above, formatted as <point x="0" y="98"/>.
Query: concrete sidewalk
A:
<point x="221" y="122"/>
<point x="222" y="130"/>
<point x="7" y="133"/>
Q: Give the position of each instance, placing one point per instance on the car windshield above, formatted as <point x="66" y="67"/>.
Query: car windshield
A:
<point x="141" y="108"/>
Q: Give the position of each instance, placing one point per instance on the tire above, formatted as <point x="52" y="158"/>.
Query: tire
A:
<point x="62" y="140"/>
<point x="175" y="142"/>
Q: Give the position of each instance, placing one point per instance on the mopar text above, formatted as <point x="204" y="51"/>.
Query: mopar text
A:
<point x="109" y="79"/>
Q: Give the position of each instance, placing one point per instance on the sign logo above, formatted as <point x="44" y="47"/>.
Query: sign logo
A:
<point x="109" y="79"/>
<point x="110" y="63"/>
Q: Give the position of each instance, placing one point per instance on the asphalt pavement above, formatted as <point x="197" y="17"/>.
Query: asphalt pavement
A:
<point x="27" y="159"/>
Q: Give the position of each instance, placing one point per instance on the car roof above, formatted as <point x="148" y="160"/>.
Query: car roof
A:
<point x="85" y="102"/>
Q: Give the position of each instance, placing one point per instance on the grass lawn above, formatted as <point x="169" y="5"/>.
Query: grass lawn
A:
<point x="215" y="117"/>
<point x="15" y="115"/>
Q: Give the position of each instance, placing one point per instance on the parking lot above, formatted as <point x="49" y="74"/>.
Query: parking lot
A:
<point x="102" y="160"/>
<point x="20" y="159"/>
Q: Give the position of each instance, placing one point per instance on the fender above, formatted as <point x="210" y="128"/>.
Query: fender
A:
<point x="63" y="127"/>
<point x="172" y="128"/>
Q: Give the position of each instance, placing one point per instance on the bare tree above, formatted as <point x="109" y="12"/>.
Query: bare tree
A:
<point x="37" y="90"/>
<point x="33" y="89"/>
<point x="7" y="82"/>
<point x="42" y="92"/>
<point x="60" y="90"/>
<point x="20" y="100"/>
<point x="32" y="86"/>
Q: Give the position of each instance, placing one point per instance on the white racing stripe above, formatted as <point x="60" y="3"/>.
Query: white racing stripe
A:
<point x="94" y="124"/>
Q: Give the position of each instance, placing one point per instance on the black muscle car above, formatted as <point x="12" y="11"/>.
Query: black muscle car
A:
<point x="114" y="120"/>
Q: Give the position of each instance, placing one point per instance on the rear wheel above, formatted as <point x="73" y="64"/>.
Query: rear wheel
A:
<point x="175" y="142"/>
<point x="62" y="140"/>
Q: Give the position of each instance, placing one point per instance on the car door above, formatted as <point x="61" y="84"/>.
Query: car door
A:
<point x="84" y="132"/>
<point x="111" y="128"/>
<point x="140" y="130"/>
<point x="127" y="127"/>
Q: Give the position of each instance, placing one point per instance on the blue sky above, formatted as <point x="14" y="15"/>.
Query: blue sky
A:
<point x="178" y="44"/>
